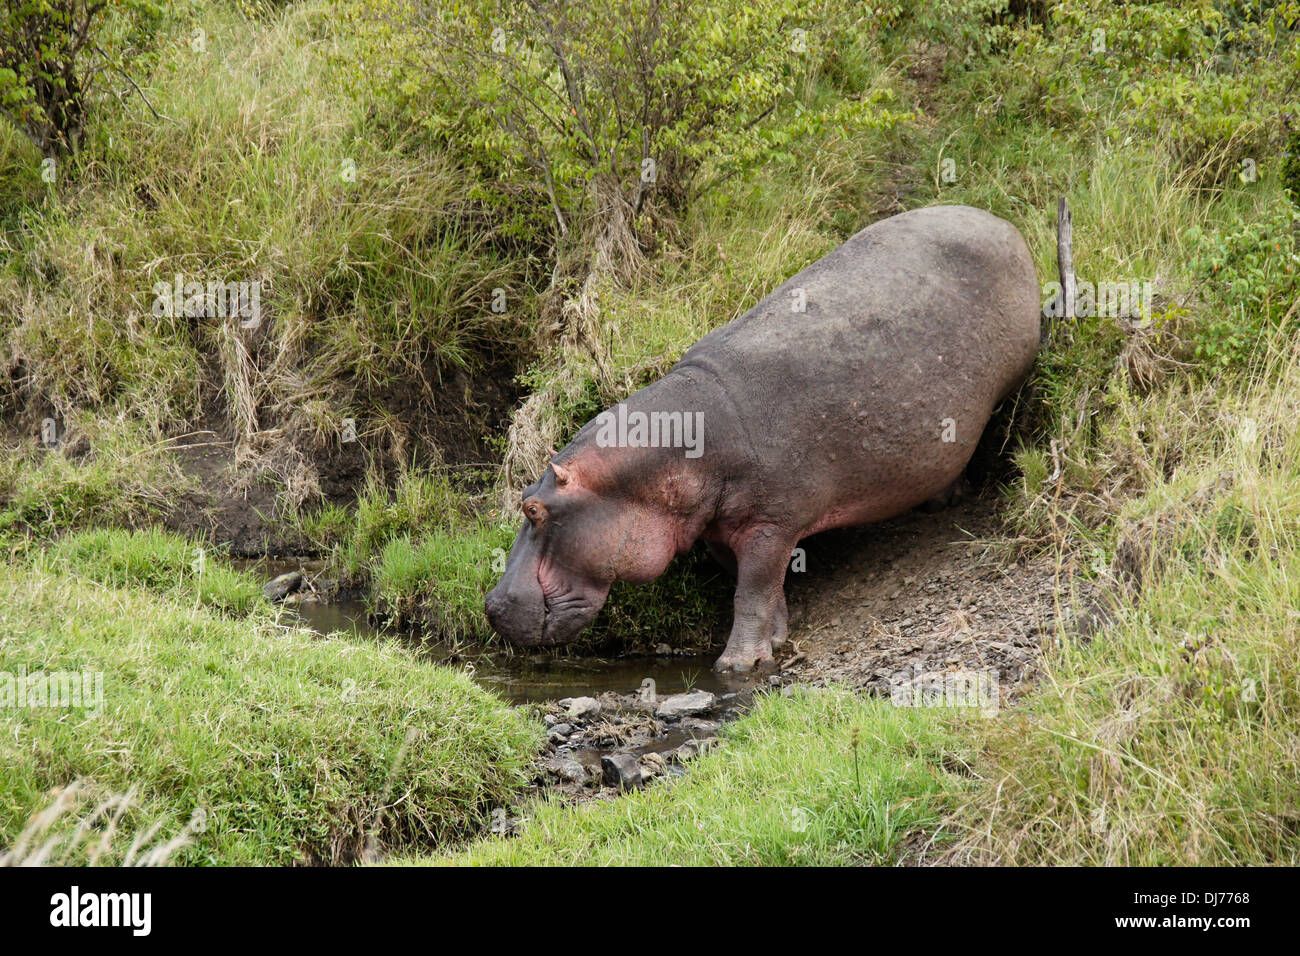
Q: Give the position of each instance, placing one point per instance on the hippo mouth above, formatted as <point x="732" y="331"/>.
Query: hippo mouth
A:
<point x="544" y="621"/>
<point x="564" y="618"/>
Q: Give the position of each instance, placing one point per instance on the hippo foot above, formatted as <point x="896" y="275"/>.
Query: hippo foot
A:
<point x="745" y="659"/>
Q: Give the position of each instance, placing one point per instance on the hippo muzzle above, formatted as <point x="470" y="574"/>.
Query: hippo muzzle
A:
<point x="527" y="620"/>
<point x="527" y="614"/>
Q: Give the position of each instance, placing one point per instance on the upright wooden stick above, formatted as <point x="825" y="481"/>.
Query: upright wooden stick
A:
<point x="1065" y="256"/>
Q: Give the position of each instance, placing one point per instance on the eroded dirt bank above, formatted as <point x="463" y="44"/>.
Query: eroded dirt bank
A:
<point x="924" y="593"/>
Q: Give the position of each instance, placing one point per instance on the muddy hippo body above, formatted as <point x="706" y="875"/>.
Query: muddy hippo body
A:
<point x="858" y="389"/>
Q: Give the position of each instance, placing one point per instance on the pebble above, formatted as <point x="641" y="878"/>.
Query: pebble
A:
<point x="622" y="771"/>
<point x="566" y="768"/>
<point x="686" y="705"/>
<point x="580" y="707"/>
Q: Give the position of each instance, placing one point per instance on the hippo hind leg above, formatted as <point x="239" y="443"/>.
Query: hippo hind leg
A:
<point x="760" y="619"/>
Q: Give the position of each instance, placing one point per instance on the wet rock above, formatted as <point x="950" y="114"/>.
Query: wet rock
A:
<point x="566" y="768"/>
<point x="580" y="707"/>
<point x="652" y="764"/>
<point x="622" y="771"/>
<point x="280" y="588"/>
<point x="699" y="728"/>
<point x="686" y="705"/>
<point x="663" y="650"/>
<point x="693" y="748"/>
<point x="559" y="733"/>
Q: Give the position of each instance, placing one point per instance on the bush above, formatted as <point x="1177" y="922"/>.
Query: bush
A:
<point x="1249" y="270"/>
<point x="581" y="117"/>
<point x="51" y="53"/>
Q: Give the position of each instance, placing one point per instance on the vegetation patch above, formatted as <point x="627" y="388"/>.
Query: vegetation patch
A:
<point x="820" y="778"/>
<point x="261" y="743"/>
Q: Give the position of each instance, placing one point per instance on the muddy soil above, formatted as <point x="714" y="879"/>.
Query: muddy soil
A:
<point x="924" y="594"/>
<point x="446" y="421"/>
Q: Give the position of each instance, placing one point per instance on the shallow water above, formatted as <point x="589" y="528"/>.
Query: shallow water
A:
<point x="517" y="676"/>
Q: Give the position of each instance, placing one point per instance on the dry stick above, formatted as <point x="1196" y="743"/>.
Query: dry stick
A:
<point x="1065" y="256"/>
<point x="134" y="85"/>
<point x="1065" y="267"/>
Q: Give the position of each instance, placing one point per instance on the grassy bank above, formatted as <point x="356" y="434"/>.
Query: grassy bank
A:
<point x="1170" y="737"/>
<point x="819" y="778"/>
<point x="257" y="742"/>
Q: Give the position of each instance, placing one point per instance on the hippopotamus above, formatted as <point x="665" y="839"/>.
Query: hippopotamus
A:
<point x="855" y="391"/>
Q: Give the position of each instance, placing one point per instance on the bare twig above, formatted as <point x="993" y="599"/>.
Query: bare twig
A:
<point x="135" y="86"/>
<point x="1065" y="257"/>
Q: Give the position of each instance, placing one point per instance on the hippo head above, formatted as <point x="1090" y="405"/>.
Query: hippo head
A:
<point x="574" y="543"/>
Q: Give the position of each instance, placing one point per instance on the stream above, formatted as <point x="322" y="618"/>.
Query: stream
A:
<point x="625" y="724"/>
<point x="521" y="677"/>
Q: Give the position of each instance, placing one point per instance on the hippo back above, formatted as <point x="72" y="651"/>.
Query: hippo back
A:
<point x="878" y="366"/>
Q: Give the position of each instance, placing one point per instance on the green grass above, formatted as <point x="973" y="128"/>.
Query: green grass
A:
<point x="783" y="789"/>
<point x="295" y="748"/>
<point x="1170" y="738"/>
<point x="157" y="561"/>
<point x="442" y="578"/>
<point x="127" y="480"/>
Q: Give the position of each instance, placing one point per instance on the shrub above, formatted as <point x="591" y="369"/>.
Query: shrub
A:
<point x="589" y="115"/>
<point x="51" y="53"/>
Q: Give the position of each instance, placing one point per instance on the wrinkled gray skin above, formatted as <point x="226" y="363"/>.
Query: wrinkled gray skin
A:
<point x="868" y="403"/>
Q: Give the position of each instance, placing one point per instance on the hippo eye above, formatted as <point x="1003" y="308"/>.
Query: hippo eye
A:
<point x="534" y="511"/>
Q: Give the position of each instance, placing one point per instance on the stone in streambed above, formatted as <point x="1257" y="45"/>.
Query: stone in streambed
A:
<point x="280" y="588"/>
<point x="622" y="771"/>
<point x="694" y="747"/>
<point x="566" y="768"/>
<point x="580" y="707"/>
<point x="686" y="705"/>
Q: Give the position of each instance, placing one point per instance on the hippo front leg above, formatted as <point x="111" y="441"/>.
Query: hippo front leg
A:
<point x="762" y="555"/>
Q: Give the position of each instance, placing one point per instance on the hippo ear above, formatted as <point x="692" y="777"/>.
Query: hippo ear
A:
<point x="562" y="475"/>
